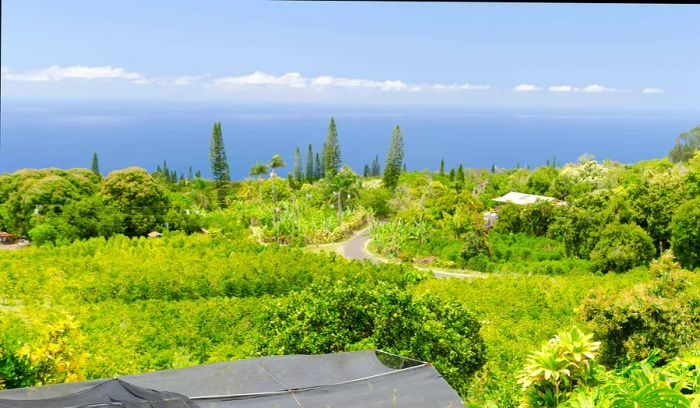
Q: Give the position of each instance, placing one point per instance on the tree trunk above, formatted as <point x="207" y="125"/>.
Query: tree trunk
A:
<point x="340" y="209"/>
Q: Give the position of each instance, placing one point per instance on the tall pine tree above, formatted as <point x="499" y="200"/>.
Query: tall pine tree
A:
<point x="219" y="163"/>
<point x="297" y="169"/>
<point x="441" y="172"/>
<point x="331" y="151"/>
<point x="318" y="167"/>
<point x="310" y="164"/>
<point x="376" y="167"/>
<point x="95" y="166"/>
<point x="459" y="183"/>
<point x="394" y="159"/>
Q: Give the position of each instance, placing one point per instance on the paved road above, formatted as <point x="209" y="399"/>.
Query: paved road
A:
<point x="354" y="248"/>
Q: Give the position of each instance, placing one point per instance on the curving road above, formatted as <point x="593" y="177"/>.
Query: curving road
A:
<point x="356" y="248"/>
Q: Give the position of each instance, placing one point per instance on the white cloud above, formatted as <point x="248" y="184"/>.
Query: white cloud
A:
<point x="260" y="79"/>
<point x="329" y="81"/>
<point x="458" y="87"/>
<point x="526" y="88"/>
<point x="560" y="88"/>
<point x="653" y="90"/>
<point x="56" y="73"/>
<point x="596" y="88"/>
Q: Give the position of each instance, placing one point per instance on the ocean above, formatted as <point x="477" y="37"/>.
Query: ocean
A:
<point x="65" y="134"/>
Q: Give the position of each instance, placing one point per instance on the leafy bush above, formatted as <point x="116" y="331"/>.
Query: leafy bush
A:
<point x="43" y="234"/>
<point x="644" y="385"/>
<point x="565" y="373"/>
<point x="565" y="363"/>
<point x="579" y="229"/>
<point x="142" y="200"/>
<point x="52" y="356"/>
<point x="533" y="219"/>
<point x="509" y="219"/>
<point x="350" y="316"/>
<point x="376" y="199"/>
<point x="622" y="247"/>
<point x="663" y="314"/>
<point x="685" y="235"/>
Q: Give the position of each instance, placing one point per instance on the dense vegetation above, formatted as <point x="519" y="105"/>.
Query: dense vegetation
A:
<point x="94" y="297"/>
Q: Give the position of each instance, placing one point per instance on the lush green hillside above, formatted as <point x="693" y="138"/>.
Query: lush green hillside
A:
<point x="230" y="278"/>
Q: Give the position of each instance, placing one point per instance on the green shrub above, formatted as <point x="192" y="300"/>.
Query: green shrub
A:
<point x="376" y="199"/>
<point x="563" y="364"/>
<point x="579" y="229"/>
<point x="509" y="219"/>
<point x="685" y="234"/>
<point x="350" y="315"/>
<point x="622" y="247"/>
<point x="43" y="234"/>
<point x="663" y="314"/>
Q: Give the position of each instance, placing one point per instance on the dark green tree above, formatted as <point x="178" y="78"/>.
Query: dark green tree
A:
<point x="452" y="175"/>
<point x="189" y="173"/>
<point x="318" y="167"/>
<point x="95" y="166"/>
<point x="297" y="168"/>
<point x="310" y="164"/>
<point x="366" y="172"/>
<point x="394" y="159"/>
<point x="459" y="182"/>
<point x="493" y="168"/>
<point x="219" y="163"/>
<point x="376" y="168"/>
<point x="686" y="145"/>
<point x="331" y="151"/>
<point x="622" y="247"/>
<point x="685" y="234"/>
<point x="140" y="198"/>
<point x="441" y="172"/>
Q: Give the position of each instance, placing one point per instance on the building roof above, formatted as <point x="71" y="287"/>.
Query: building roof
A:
<point x="4" y="234"/>
<point x="523" y="198"/>
<point x="368" y="378"/>
<point x="153" y="234"/>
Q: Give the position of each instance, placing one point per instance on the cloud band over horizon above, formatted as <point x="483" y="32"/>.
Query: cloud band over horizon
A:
<point x="290" y="80"/>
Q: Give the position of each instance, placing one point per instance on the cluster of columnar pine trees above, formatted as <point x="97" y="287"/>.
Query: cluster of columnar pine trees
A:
<point x="326" y="163"/>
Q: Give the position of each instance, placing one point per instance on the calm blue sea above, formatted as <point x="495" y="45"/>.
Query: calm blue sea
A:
<point x="64" y="134"/>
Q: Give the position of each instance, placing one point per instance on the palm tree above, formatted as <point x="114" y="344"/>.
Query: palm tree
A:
<point x="258" y="170"/>
<point x="344" y="185"/>
<point x="276" y="162"/>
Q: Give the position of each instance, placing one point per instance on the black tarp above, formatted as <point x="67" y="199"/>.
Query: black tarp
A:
<point x="352" y="379"/>
<point x="108" y="394"/>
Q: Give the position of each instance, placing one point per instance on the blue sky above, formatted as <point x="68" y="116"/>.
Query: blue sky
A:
<point x="491" y="55"/>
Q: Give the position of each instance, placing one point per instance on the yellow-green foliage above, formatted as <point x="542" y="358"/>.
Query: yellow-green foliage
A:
<point x="518" y="313"/>
<point x="565" y="373"/>
<point x="660" y="314"/>
<point x="146" y="304"/>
